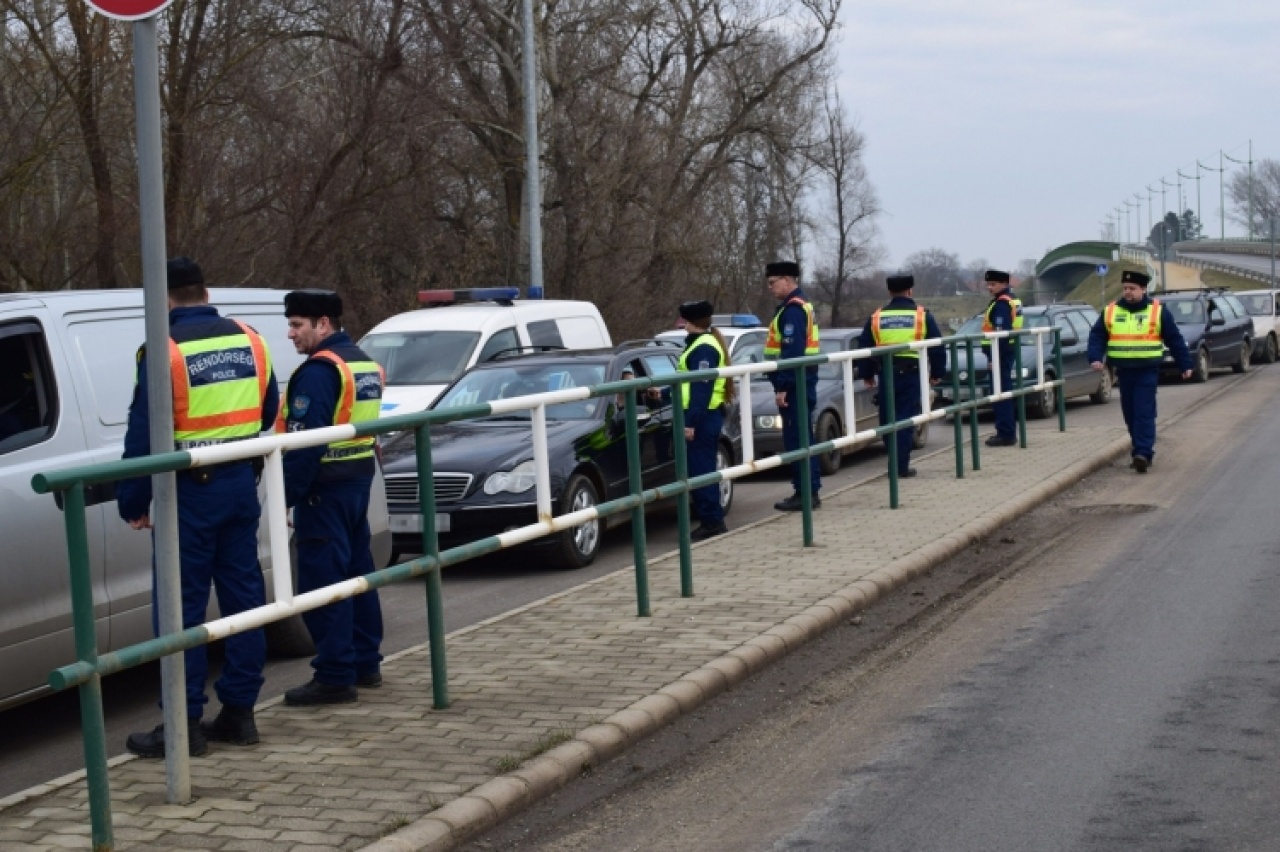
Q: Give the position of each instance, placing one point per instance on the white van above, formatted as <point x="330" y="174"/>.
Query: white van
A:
<point x="1264" y="309"/>
<point x="423" y="351"/>
<point x="67" y="369"/>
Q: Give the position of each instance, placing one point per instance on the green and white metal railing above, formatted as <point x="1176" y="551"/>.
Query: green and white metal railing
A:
<point x="90" y="667"/>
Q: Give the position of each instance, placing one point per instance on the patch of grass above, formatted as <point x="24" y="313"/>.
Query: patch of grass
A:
<point x="544" y="743"/>
<point x="397" y="822"/>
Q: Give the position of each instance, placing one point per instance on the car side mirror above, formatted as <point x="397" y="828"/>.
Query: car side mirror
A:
<point x="1217" y="319"/>
<point x="1070" y="341"/>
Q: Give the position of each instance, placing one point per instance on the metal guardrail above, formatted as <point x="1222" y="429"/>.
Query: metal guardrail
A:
<point x="86" y="673"/>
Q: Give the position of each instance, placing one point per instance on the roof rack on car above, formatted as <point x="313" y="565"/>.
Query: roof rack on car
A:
<point x="439" y="298"/>
<point x="523" y="350"/>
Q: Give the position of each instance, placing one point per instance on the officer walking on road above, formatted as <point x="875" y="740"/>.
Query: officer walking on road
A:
<point x="328" y="486"/>
<point x="704" y="407"/>
<point x="1132" y="334"/>
<point x="901" y="321"/>
<point x="1004" y="313"/>
<point x="224" y="390"/>
<point x="793" y="334"/>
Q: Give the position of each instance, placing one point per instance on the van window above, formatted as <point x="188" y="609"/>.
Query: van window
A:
<point x="107" y="347"/>
<point x="421" y="357"/>
<point x="545" y="333"/>
<point x="28" y="394"/>
<point x="501" y="341"/>
<point x="580" y="332"/>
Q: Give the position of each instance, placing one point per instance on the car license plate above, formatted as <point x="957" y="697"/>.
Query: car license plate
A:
<point x="413" y="523"/>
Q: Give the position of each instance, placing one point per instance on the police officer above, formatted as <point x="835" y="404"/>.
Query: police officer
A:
<point x="901" y="321"/>
<point x="704" y="406"/>
<point x="328" y="486"/>
<point x="1132" y="334"/>
<point x="793" y="334"/>
<point x="224" y="390"/>
<point x="1004" y="313"/>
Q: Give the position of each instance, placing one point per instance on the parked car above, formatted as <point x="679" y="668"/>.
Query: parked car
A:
<point x="1264" y="309"/>
<point x="423" y="351"/>
<point x="1075" y="319"/>
<point x="1217" y="328"/>
<point x="829" y="413"/>
<point x="483" y="469"/>
<point x="67" y="371"/>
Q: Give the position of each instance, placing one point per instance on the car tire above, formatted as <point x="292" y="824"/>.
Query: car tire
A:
<point x="1103" y="393"/>
<point x="1242" y="363"/>
<point x="920" y="437"/>
<point x="724" y="459"/>
<point x="578" y="546"/>
<point x="828" y="430"/>
<point x="1201" y="372"/>
<point x="1044" y="403"/>
<point x="1269" y="350"/>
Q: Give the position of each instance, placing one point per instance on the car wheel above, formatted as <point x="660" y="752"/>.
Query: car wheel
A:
<point x="724" y="460"/>
<point x="577" y="547"/>
<point x="1269" y="350"/>
<point x="1242" y="363"/>
<point x="1103" y="393"/>
<point x="920" y="437"/>
<point x="1044" y="403"/>
<point x="828" y="430"/>
<point x="1201" y="372"/>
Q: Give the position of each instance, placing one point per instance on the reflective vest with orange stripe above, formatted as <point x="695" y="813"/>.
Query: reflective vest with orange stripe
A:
<point x="1015" y="306"/>
<point x="773" y="343"/>
<point x="893" y="326"/>
<point x="359" y="401"/>
<point x="1134" y="336"/>
<point x="220" y="372"/>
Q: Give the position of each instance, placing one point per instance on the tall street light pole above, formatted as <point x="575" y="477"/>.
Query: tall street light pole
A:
<point x="1222" y="213"/>
<point x="1199" y="221"/>
<point x="1163" y="186"/>
<point x="1128" y="220"/>
<point x="1138" y="205"/>
<point x="532" y="160"/>
<point x="1150" y="218"/>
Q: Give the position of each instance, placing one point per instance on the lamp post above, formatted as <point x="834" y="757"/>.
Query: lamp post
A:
<point x="532" y="160"/>
<point x="1164" y="241"/>
<point x="1150" y="219"/>
<point x="1199" y="221"/>
<point x="1222" y="211"/>
<point x="1248" y="162"/>
<point x="1138" y="206"/>
<point x="1119" y="233"/>
<point x="1128" y="205"/>
<point x="1163" y="187"/>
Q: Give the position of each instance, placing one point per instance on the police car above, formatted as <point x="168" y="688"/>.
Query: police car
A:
<point x="743" y="332"/>
<point x="423" y="351"/>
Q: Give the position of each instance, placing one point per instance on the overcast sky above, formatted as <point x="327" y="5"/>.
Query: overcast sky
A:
<point x="1002" y="128"/>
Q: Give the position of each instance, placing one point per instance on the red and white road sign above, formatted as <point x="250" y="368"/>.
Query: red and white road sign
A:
<point x="128" y="10"/>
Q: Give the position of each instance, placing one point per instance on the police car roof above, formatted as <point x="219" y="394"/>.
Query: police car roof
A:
<point x="478" y="316"/>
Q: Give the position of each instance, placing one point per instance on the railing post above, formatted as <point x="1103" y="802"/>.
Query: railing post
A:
<point x="891" y="418"/>
<point x="806" y="463"/>
<point x="92" y="722"/>
<point x="638" y="548"/>
<point x="746" y="419"/>
<point x="1057" y="362"/>
<point x="973" y="402"/>
<point x="278" y="527"/>
<point x="955" y="400"/>
<point x="682" y="500"/>
<point x="431" y="550"/>
<point x="1017" y="384"/>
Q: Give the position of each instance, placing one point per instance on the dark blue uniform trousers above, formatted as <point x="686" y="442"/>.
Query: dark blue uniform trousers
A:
<point x="1005" y="411"/>
<point x="702" y="459"/>
<point x="906" y="403"/>
<point x="332" y="530"/>
<point x="1138" y="404"/>
<point x="218" y="545"/>
<point x="791" y="434"/>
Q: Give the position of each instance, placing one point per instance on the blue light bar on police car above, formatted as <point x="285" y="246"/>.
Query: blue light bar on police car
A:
<point x="735" y="320"/>
<point x="474" y="294"/>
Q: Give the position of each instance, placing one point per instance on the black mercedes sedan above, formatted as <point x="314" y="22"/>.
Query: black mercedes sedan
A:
<point x="484" y="476"/>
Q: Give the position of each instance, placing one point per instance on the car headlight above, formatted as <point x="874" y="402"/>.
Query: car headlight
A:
<point x="517" y="480"/>
<point x="769" y="421"/>
<point x="1027" y="372"/>
<point x="962" y="375"/>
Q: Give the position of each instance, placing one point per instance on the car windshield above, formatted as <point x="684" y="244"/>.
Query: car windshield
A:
<point x="1186" y="311"/>
<point x="421" y="357"/>
<point x="494" y="383"/>
<point x="1258" y="306"/>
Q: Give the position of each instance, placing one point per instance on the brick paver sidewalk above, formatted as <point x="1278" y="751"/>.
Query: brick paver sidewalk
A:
<point x="572" y="678"/>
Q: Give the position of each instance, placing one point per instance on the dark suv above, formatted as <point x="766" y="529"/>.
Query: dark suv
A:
<point x="1216" y="326"/>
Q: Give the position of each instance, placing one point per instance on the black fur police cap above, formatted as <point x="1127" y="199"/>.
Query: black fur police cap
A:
<point x="900" y="283"/>
<point x="997" y="276"/>
<point x="696" y="311"/>
<point x="312" y="303"/>
<point x="782" y="269"/>
<point x="183" y="272"/>
<point x="1131" y="277"/>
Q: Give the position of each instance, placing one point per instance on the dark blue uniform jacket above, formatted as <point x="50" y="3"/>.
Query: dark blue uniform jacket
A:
<point x="793" y="328"/>
<point x="869" y="367"/>
<point x="1169" y="333"/>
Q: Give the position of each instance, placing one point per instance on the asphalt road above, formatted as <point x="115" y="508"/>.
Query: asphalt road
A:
<point x="41" y="740"/>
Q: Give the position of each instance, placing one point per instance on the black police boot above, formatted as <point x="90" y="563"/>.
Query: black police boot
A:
<point x="704" y="532"/>
<point x="234" y="725"/>
<point x="1141" y="463"/>
<point x="1001" y="441"/>
<point x="794" y="503"/>
<point x="372" y="680"/>
<point x="314" y="692"/>
<point x="908" y="473"/>
<point x="151" y="744"/>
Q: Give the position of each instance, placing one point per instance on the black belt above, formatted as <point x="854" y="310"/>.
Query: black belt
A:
<point x="205" y="474"/>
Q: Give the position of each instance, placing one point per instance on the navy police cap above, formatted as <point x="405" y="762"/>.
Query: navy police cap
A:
<point x="183" y="272"/>
<point x="312" y="303"/>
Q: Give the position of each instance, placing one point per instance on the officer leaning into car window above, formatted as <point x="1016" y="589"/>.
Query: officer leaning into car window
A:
<point x="704" y="407"/>
<point x="328" y="488"/>
<point x="793" y="334"/>
<point x="901" y="321"/>
<point x="1004" y="313"/>
<point x="224" y="390"/>
<point x="1132" y="334"/>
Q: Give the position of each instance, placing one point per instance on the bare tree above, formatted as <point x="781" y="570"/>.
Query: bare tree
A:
<point x="937" y="272"/>
<point x="1258" y="196"/>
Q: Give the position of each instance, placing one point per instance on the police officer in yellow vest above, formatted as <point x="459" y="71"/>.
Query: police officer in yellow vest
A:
<point x="793" y="333"/>
<point x="1131" y="334"/>
<point x="1004" y="313"/>
<point x="704" y="409"/>
<point x="328" y="486"/>
<point x="901" y="321"/>
<point x="224" y="390"/>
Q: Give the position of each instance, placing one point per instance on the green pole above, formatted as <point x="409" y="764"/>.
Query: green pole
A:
<point x="1017" y="383"/>
<point x="637" y="514"/>
<point x="1057" y="362"/>
<point x="806" y="463"/>
<point x="431" y="549"/>
<point x="891" y="419"/>
<point x="682" y="501"/>
<point x="973" y="396"/>
<point x="956" y="418"/>
<point x="92" y="722"/>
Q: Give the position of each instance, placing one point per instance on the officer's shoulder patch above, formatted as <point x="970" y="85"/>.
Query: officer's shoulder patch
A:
<point x="300" y="405"/>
